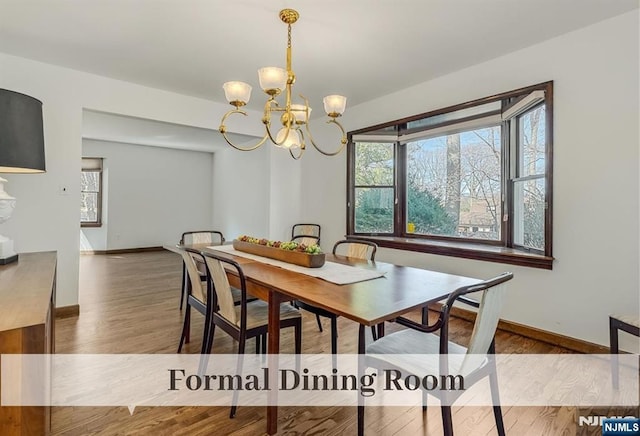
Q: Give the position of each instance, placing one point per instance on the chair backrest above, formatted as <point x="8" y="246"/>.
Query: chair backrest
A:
<point x="202" y="237"/>
<point x="357" y="249"/>
<point x="218" y="277"/>
<point x="484" y="330"/>
<point x="305" y="230"/>
<point x="197" y="290"/>
<point x="306" y="240"/>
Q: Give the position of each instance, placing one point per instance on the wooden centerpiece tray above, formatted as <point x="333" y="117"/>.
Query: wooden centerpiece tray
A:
<point x="289" y="256"/>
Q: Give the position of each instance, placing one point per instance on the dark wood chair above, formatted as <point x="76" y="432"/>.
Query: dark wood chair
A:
<point x="307" y="234"/>
<point x="350" y="248"/>
<point x="397" y="350"/>
<point x="626" y="323"/>
<point x="198" y="295"/>
<point x="244" y="321"/>
<point x="212" y="237"/>
<point x="306" y="240"/>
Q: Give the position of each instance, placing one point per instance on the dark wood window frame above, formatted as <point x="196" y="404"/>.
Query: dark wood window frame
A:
<point x="98" y="222"/>
<point x="502" y="251"/>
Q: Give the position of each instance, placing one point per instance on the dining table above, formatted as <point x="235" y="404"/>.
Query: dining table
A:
<point x="399" y="290"/>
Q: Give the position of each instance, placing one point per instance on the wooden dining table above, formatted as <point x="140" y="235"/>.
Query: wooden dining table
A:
<point x="402" y="289"/>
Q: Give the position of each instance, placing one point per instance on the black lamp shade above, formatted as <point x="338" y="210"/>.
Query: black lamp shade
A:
<point x="21" y="133"/>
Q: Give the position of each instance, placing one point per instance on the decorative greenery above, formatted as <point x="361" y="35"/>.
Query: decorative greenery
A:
<point x="287" y="245"/>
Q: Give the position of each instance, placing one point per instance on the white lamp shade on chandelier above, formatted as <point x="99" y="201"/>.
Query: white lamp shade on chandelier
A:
<point x="272" y="79"/>
<point x="237" y="92"/>
<point x="334" y="104"/>
<point x="299" y="111"/>
<point x="290" y="141"/>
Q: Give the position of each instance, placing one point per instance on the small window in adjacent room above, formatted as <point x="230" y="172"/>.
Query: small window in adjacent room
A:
<point x="91" y="192"/>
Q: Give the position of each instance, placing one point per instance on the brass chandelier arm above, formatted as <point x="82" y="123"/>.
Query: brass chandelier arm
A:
<point x="270" y="135"/>
<point x="223" y="131"/>
<point x="272" y="106"/>
<point x="301" y="148"/>
<point x="299" y="154"/>
<point x="343" y="140"/>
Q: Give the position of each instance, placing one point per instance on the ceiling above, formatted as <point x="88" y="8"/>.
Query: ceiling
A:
<point x="358" y="48"/>
<point x="343" y="47"/>
<point x="119" y="128"/>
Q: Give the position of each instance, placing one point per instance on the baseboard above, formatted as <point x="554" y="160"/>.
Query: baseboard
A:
<point x="573" y="344"/>
<point x="122" y="250"/>
<point x="67" y="311"/>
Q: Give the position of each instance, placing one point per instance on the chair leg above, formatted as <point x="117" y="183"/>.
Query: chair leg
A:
<point x="187" y="336"/>
<point x="495" y="398"/>
<point x="258" y="347"/>
<point x="264" y="344"/>
<point x="206" y="350"/>
<point x="614" y="350"/>
<point x="334" y="335"/>
<point x="234" y="401"/>
<point x="360" y="416"/>
<point x="185" y="328"/>
<point x="298" y="337"/>
<point x="183" y="290"/>
<point x="206" y="331"/>
<point x="319" y="322"/>
<point x="361" y="355"/>
<point x="212" y="330"/>
<point x="425" y="315"/>
<point x="374" y="332"/>
<point x="447" y="421"/>
<point x="425" y="396"/>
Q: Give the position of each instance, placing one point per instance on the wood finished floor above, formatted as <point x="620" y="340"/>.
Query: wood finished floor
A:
<point x="129" y="304"/>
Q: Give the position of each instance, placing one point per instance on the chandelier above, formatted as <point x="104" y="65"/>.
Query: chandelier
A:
<point x="294" y="118"/>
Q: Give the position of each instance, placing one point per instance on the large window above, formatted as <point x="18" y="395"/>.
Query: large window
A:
<point x="473" y="180"/>
<point x="91" y="193"/>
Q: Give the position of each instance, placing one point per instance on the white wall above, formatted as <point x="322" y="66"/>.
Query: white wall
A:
<point x="45" y="220"/>
<point x="596" y="137"/>
<point x="256" y="193"/>
<point x="241" y="192"/>
<point x="153" y="194"/>
<point x="285" y="193"/>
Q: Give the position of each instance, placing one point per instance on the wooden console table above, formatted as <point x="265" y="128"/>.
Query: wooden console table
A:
<point x="27" y="315"/>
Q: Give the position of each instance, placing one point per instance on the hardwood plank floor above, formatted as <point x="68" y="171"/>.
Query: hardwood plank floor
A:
<point x="129" y="304"/>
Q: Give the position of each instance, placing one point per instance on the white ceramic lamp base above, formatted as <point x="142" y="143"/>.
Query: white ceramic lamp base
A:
<point x="7" y="204"/>
<point x="7" y="255"/>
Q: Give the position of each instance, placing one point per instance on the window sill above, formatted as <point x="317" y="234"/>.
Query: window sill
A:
<point x="90" y="225"/>
<point x="465" y="250"/>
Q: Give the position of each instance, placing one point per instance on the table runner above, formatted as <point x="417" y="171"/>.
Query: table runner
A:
<point x="331" y="271"/>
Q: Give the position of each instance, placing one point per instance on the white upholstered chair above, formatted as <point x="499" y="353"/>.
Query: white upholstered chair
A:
<point x="473" y="363"/>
